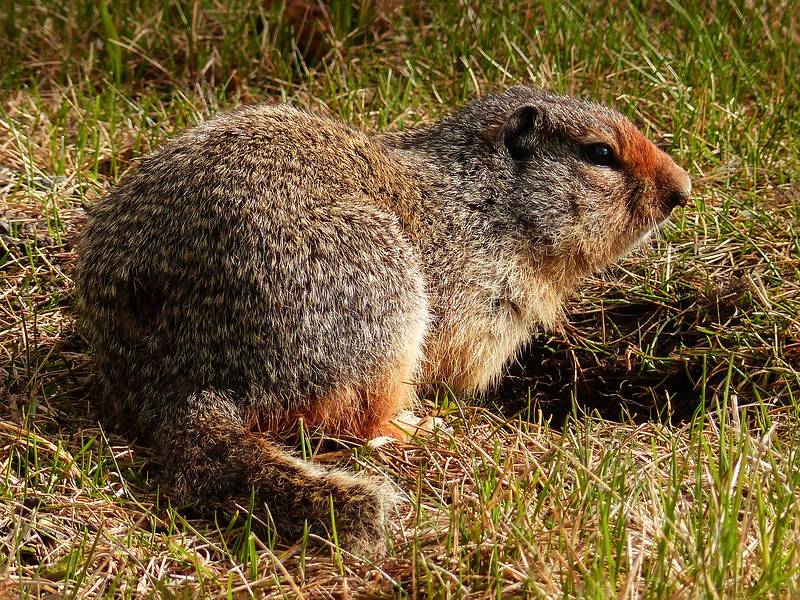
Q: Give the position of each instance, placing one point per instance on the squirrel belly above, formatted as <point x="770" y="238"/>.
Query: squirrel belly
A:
<point x="270" y="265"/>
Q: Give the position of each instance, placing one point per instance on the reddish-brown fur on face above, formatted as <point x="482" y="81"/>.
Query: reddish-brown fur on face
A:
<point x="654" y="169"/>
<point x="637" y="154"/>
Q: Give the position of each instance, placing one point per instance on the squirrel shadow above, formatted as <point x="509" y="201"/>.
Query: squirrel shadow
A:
<point x="642" y="371"/>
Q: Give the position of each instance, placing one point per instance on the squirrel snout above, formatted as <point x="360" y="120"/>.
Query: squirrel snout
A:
<point x="677" y="198"/>
<point x="681" y="193"/>
<point x="675" y="185"/>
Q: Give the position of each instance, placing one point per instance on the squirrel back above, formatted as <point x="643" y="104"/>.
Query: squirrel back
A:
<point x="270" y="265"/>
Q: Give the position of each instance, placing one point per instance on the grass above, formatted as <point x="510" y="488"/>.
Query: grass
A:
<point x="647" y="449"/>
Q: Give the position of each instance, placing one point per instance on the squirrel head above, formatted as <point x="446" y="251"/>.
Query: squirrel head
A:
<point x="573" y="181"/>
<point x="580" y="178"/>
<point x="580" y="181"/>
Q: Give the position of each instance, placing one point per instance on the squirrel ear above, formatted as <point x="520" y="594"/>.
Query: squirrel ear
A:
<point x="518" y="133"/>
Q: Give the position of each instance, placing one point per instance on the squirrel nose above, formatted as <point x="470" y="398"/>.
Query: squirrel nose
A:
<point x="677" y="198"/>
<point x="681" y="193"/>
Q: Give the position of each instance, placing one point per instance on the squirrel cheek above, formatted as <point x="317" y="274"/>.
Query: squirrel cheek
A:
<point x="597" y="221"/>
<point x="615" y="208"/>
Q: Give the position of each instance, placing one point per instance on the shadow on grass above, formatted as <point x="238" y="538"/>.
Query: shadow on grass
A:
<point x="633" y="360"/>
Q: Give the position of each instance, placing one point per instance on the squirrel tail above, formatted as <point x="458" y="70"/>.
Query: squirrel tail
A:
<point x="215" y="461"/>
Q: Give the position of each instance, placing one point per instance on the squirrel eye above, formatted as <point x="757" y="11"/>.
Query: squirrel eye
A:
<point x="600" y="154"/>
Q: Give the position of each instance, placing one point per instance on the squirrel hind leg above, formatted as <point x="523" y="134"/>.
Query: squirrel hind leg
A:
<point x="368" y="409"/>
<point x="216" y="462"/>
<point x="365" y="412"/>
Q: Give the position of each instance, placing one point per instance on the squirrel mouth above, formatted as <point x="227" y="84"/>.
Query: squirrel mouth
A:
<point x="648" y="216"/>
<point x="671" y="200"/>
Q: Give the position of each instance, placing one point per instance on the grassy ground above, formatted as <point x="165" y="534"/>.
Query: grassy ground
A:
<point x="648" y="449"/>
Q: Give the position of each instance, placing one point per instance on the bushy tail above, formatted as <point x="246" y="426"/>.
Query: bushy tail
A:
<point x="216" y="462"/>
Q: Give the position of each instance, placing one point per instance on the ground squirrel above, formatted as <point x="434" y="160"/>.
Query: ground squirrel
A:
<point x="271" y="264"/>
